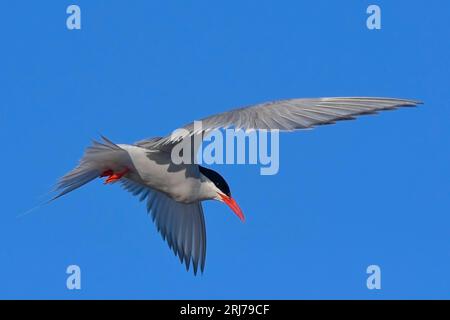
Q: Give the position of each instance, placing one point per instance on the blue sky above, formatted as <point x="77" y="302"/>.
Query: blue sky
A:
<point x="371" y="191"/>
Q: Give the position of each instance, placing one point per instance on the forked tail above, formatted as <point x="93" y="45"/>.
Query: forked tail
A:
<point x="98" y="158"/>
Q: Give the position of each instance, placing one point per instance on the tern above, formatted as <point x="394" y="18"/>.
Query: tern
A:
<point x="174" y="192"/>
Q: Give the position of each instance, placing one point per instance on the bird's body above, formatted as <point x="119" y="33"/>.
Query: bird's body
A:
<point x="174" y="192"/>
<point x="154" y="169"/>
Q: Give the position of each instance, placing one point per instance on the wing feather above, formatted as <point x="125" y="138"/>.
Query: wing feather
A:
<point x="286" y="115"/>
<point x="181" y="225"/>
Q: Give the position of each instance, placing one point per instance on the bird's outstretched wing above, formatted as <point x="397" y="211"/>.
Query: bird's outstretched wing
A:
<point x="181" y="225"/>
<point x="286" y="115"/>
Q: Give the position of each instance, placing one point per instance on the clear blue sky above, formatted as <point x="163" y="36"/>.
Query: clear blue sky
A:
<point x="371" y="191"/>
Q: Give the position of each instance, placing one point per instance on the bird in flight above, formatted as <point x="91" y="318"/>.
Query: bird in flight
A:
<point x="174" y="192"/>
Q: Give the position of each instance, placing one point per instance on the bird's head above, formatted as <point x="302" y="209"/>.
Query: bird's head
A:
<point x="219" y="190"/>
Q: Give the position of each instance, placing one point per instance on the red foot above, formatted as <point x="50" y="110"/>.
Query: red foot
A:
<point x="107" y="173"/>
<point x="112" y="176"/>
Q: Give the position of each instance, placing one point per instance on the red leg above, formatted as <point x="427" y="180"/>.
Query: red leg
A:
<point x="116" y="176"/>
<point x="107" y="173"/>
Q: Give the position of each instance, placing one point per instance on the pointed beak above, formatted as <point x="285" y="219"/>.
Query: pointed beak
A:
<point x="233" y="205"/>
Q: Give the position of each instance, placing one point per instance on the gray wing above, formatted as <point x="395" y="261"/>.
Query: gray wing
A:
<point x="288" y="115"/>
<point x="181" y="225"/>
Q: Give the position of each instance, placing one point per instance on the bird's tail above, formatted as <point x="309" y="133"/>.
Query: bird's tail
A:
<point x="97" y="158"/>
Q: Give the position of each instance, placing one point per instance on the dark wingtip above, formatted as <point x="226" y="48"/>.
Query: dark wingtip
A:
<point x="202" y="269"/>
<point x="195" y="269"/>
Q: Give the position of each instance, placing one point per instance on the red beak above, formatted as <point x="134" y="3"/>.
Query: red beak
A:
<point x="233" y="205"/>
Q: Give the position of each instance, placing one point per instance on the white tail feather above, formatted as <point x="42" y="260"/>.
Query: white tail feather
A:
<point x="99" y="157"/>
